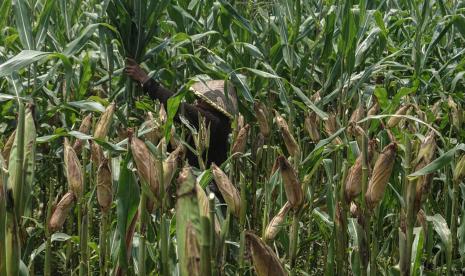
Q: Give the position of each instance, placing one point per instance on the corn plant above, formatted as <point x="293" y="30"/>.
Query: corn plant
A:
<point x="347" y="157"/>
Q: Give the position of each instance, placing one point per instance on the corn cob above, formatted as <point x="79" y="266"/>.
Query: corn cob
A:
<point x="230" y="193"/>
<point x="289" y="140"/>
<point x="170" y="165"/>
<point x="103" y="125"/>
<point x="331" y="127"/>
<point x="83" y="128"/>
<point x="394" y="121"/>
<point x="61" y="211"/>
<point x="353" y="185"/>
<point x="292" y="185"/>
<point x="276" y="223"/>
<point x="241" y="140"/>
<point x="73" y="170"/>
<point x="264" y="259"/>
<point x="146" y="164"/>
<point x="311" y="126"/>
<point x="381" y="174"/>
<point x="96" y="153"/>
<point x="262" y="117"/>
<point x="104" y="186"/>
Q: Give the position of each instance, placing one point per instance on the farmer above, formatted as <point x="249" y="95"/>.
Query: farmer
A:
<point x="211" y="103"/>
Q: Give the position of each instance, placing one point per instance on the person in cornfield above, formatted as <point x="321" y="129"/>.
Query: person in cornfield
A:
<point x="212" y="104"/>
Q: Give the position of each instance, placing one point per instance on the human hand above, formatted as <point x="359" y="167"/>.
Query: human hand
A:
<point x="135" y="72"/>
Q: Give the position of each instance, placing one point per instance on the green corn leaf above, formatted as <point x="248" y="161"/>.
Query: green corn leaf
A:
<point x="23" y="23"/>
<point x="27" y="57"/>
<point x="127" y="199"/>
<point x="441" y="228"/>
<point x="438" y="163"/>
<point x="42" y="26"/>
<point x="4" y="11"/>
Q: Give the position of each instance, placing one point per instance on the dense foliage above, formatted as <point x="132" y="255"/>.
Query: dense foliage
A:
<point x="347" y="158"/>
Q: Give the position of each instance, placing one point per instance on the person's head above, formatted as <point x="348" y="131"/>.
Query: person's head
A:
<point x="212" y="95"/>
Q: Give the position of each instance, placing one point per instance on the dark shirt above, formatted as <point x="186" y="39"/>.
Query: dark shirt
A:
<point x="220" y="126"/>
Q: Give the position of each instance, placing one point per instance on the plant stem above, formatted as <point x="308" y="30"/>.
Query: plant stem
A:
<point x="48" y="246"/>
<point x="3" y="181"/>
<point x="205" y="265"/>
<point x="408" y="211"/>
<point x="211" y="199"/>
<point x="294" y="236"/>
<point x="364" y="219"/>
<point x="242" y="220"/>
<point x="13" y="246"/>
<point x="103" y="243"/>
<point x="142" y="233"/>
<point x="454" y="216"/>
<point x="83" y="220"/>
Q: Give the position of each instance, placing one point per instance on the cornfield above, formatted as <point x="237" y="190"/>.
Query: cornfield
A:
<point x="346" y="157"/>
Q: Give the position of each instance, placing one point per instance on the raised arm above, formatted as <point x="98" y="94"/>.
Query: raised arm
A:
<point x="157" y="92"/>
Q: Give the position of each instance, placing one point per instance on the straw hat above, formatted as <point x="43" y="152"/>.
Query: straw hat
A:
<point x="213" y="92"/>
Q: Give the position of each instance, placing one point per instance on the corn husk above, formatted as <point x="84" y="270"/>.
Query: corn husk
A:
<point x="436" y="110"/>
<point x="162" y="116"/>
<point x="374" y="109"/>
<point x="231" y="195"/>
<point x="187" y="221"/>
<point x="61" y="212"/>
<point x="83" y="128"/>
<point x="146" y="164"/>
<point x="241" y="140"/>
<point x="155" y="134"/>
<point x="276" y="223"/>
<point x="204" y="206"/>
<point x="104" y="186"/>
<point x="171" y="164"/>
<point x="240" y="122"/>
<point x="316" y="97"/>
<point x="459" y="170"/>
<point x="264" y="259"/>
<point x="262" y="118"/>
<point x="331" y="126"/>
<point x="357" y="115"/>
<point x="289" y="140"/>
<point x="311" y="123"/>
<point x="353" y="185"/>
<point x="7" y="147"/>
<point x="353" y="210"/>
<point x="73" y="170"/>
<point x="96" y="153"/>
<point x="292" y="186"/>
<point x="381" y="174"/>
<point x="427" y="148"/>
<point x="103" y="125"/>
<point x="394" y="121"/>
<point x="455" y="113"/>
<point x="192" y="250"/>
